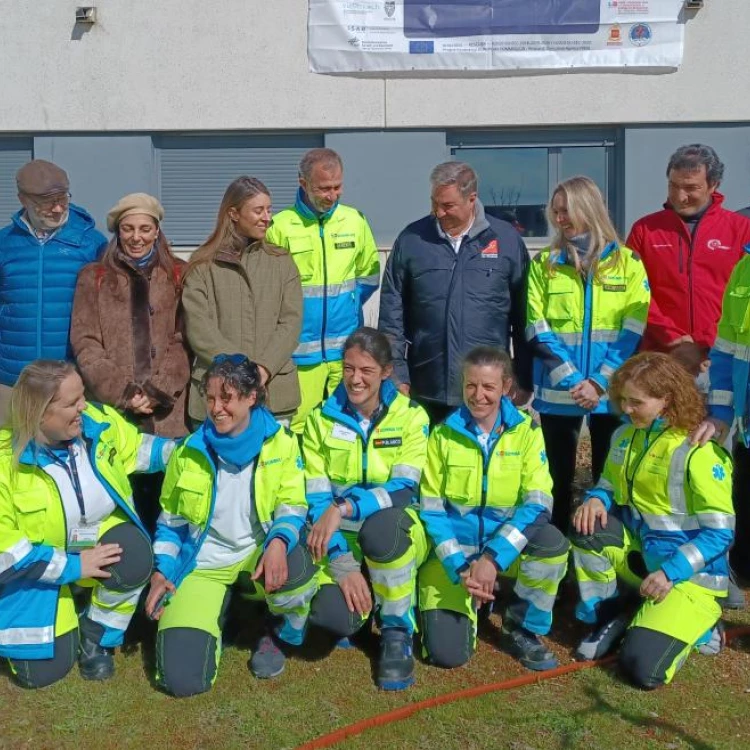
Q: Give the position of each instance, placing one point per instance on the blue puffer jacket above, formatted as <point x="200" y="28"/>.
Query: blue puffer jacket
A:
<point x="37" y="281"/>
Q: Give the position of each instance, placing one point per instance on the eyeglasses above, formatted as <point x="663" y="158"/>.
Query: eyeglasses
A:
<point x="47" y="204"/>
<point x="235" y="359"/>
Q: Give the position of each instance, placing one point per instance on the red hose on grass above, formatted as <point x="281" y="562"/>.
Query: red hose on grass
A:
<point x="399" y="714"/>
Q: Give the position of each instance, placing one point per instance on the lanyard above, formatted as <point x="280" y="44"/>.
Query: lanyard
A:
<point x="630" y="480"/>
<point x="72" y="471"/>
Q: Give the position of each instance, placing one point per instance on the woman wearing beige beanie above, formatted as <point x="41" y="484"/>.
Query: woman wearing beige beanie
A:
<point x="127" y="328"/>
<point x="243" y="295"/>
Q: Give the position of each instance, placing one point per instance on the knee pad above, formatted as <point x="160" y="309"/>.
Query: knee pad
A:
<point x="186" y="659"/>
<point x="545" y="540"/>
<point x="34" y="674"/>
<point x="136" y="562"/>
<point x="329" y="611"/>
<point x="448" y="637"/>
<point x="384" y="536"/>
<point x="300" y="566"/>
<point x="646" y="655"/>
<point x="601" y="538"/>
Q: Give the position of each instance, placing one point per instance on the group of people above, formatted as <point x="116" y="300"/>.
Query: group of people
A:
<point x="229" y="425"/>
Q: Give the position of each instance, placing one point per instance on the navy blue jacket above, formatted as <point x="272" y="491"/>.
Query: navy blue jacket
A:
<point x="437" y="305"/>
<point x="37" y="281"/>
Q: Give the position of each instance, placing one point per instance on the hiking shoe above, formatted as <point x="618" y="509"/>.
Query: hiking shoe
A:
<point x="94" y="661"/>
<point x="735" y="598"/>
<point x="396" y="663"/>
<point x="267" y="660"/>
<point x="527" y="648"/>
<point x="716" y="641"/>
<point x="605" y="638"/>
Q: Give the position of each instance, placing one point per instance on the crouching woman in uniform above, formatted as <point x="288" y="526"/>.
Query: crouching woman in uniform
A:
<point x="486" y="501"/>
<point x="67" y="516"/>
<point x="660" y="519"/>
<point x="364" y="451"/>
<point x="233" y="506"/>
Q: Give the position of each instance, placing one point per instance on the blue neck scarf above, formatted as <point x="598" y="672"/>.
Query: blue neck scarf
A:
<point x="241" y="449"/>
<point x="304" y="207"/>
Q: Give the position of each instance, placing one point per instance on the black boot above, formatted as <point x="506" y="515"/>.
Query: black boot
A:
<point x="95" y="661"/>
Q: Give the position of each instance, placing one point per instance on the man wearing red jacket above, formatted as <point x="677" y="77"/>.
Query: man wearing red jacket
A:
<point x="689" y="250"/>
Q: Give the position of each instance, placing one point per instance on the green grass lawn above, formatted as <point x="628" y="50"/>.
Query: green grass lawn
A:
<point x="708" y="706"/>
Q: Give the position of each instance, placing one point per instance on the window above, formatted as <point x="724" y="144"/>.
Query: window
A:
<point x="14" y="153"/>
<point x="517" y="173"/>
<point x="194" y="172"/>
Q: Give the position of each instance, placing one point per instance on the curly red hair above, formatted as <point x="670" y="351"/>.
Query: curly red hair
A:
<point x="662" y="376"/>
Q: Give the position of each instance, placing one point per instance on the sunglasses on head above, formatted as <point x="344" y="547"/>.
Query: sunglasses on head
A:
<point x="235" y="359"/>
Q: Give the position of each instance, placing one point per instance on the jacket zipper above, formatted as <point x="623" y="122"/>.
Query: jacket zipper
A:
<point x="447" y="313"/>
<point x="325" y="291"/>
<point x="366" y="442"/>
<point x="39" y="313"/>
<point x="587" y="295"/>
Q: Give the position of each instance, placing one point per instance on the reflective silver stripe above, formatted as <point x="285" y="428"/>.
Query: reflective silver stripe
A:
<point x="694" y="556"/>
<point x="404" y="471"/>
<point x="538" y="597"/>
<point x="396" y="609"/>
<point x="55" y="566"/>
<point x="470" y="550"/>
<point x="432" y="504"/>
<point x="166" y="548"/>
<point x="633" y="325"/>
<point x="171" y="520"/>
<point x="23" y="636"/>
<point x="554" y="397"/>
<point x="725" y="346"/>
<point x="742" y="352"/>
<point x="392" y="578"/>
<point x="594" y="590"/>
<point x="319" y="484"/>
<point x="284" y="509"/>
<point x="348" y="525"/>
<point x="335" y="343"/>
<point x="371" y="280"/>
<point x="111" y="598"/>
<point x="167" y="449"/>
<point x="676" y="479"/>
<point x="606" y="337"/>
<point x="716" y="520"/>
<point x="293" y="530"/>
<point x="606" y="371"/>
<point x="143" y="455"/>
<point x="308" y="347"/>
<point x="604" y="484"/>
<point x="514" y="537"/>
<point x="560" y="372"/>
<point x="330" y="290"/>
<point x="671" y="522"/>
<point x="294" y="600"/>
<point x="447" y="548"/>
<point x="570" y="339"/>
<point x="590" y="562"/>
<point x="339" y="489"/>
<point x="534" y="329"/>
<point x="715" y="583"/>
<point x="460" y="508"/>
<point x="721" y="398"/>
<point x="537" y="570"/>
<point x="383" y="498"/>
<point x="15" y="554"/>
<point x="537" y="497"/>
<point x="110" y="618"/>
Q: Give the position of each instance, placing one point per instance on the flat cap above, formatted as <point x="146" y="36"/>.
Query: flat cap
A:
<point x="39" y="177"/>
<point x="135" y="203"/>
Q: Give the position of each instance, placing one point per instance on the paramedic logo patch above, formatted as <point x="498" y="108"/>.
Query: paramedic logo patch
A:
<point x="718" y="472"/>
<point x="390" y="7"/>
<point x="491" y="250"/>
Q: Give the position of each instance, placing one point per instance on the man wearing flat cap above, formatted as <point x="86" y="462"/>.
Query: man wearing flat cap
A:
<point x="41" y="252"/>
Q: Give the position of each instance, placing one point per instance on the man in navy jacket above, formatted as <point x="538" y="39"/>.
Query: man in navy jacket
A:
<point x="454" y="280"/>
<point x="41" y="252"/>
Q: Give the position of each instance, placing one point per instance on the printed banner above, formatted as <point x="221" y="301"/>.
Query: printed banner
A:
<point x="348" y="36"/>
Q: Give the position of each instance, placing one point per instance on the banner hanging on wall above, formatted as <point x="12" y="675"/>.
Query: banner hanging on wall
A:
<point x="351" y="36"/>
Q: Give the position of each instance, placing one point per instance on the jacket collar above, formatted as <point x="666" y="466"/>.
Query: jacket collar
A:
<point x="562" y="257"/>
<point x="70" y="233"/>
<point x="478" y="226"/>
<point x="336" y="405"/>
<point x="91" y="430"/>
<point x="304" y="210"/>
<point x="507" y="418"/>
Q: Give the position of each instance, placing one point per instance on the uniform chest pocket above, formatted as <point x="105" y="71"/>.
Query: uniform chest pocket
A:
<point x="341" y="459"/>
<point x="191" y="497"/>
<point x="301" y="249"/>
<point x="31" y="512"/>
<point x="562" y="298"/>
<point x="460" y="477"/>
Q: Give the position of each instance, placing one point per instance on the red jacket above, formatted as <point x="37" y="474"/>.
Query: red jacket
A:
<point x="687" y="276"/>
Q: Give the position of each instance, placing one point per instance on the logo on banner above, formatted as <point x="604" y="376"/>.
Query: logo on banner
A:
<point x="491" y="250"/>
<point x="390" y="7"/>
<point x="615" y="36"/>
<point x="640" y="34"/>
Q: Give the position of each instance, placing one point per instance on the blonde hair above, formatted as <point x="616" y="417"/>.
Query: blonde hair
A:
<point x="36" y="387"/>
<point x="586" y="209"/>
